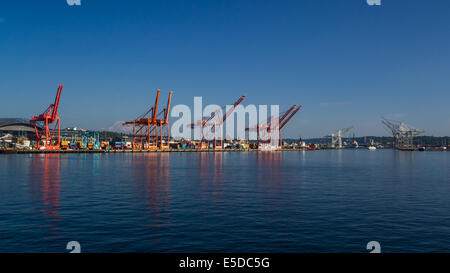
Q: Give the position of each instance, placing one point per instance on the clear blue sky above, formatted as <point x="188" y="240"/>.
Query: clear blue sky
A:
<point x="348" y="63"/>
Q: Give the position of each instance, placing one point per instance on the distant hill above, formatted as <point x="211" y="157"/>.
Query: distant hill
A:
<point x="420" y="140"/>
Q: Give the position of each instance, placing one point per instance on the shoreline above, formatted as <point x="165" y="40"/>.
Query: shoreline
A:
<point x="185" y="151"/>
<point x="138" y="151"/>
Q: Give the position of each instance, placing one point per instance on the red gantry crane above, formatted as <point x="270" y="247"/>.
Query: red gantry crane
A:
<point x="218" y="143"/>
<point x="285" y="120"/>
<point x="206" y="123"/>
<point x="148" y="130"/>
<point x="47" y="138"/>
<point x="164" y="122"/>
<point x="266" y="128"/>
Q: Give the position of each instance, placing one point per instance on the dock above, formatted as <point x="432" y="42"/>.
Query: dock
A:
<point x="135" y="151"/>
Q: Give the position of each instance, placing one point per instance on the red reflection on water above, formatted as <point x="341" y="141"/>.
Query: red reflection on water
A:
<point x="45" y="182"/>
<point x="203" y="169"/>
<point x="218" y="173"/>
<point x="269" y="164"/>
<point x="151" y="177"/>
<point x="210" y="169"/>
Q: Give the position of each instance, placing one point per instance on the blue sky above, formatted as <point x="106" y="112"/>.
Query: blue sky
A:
<point x="346" y="62"/>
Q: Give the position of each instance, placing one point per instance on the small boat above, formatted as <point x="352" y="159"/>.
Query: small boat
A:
<point x="372" y="148"/>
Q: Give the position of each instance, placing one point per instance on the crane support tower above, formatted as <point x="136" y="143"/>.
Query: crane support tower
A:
<point x="48" y="138"/>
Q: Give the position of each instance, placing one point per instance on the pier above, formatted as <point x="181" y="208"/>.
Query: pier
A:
<point x="34" y="151"/>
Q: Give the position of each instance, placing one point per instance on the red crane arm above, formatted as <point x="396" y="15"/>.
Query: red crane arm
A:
<point x="227" y="114"/>
<point x="282" y="121"/>
<point x="155" y="109"/>
<point x="203" y="122"/>
<point x="146" y="113"/>
<point x="56" y="104"/>
<point x="166" y="117"/>
<point x="213" y="114"/>
<point x="289" y="118"/>
<point x="287" y="113"/>
<point x="51" y="113"/>
<point x="269" y="120"/>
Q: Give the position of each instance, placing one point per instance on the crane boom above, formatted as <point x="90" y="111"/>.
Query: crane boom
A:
<point x="56" y="103"/>
<point x="204" y="122"/>
<point x="166" y="117"/>
<point x="269" y="120"/>
<point x="155" y="108"/>
<point x="228" y="113"/>
<point x="346" y="130"/>
<point x="283" y="123"/>
<point x="287" y="112"/>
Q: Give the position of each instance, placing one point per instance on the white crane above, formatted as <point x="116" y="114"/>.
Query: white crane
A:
<point x="337" y="136"/>
<point x="402" y="133"/>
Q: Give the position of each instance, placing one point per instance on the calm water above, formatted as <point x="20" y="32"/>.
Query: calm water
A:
<point x="321" y="201"/>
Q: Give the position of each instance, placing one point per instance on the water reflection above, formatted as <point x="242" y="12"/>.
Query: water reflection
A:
<point x="401" y="164"/>
<point x="151" y="177"/>
<point x="45" y="185"/>
<point x="218" y="173"/>
<point x="210" y="174"/>
<point x="203" y="170"/>
<point x="404" y="157"/>
<point x="269" y="167"/>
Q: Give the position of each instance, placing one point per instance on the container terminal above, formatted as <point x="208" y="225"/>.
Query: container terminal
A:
<point x="150" y="133"/>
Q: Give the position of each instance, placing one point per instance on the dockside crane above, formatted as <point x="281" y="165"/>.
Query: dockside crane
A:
<point x="285" y="120"/>
<point x="218" y="140"/>
<point x="148" y="129"/>
<point x="266" y="129"/>
<point x="403" y="134"/>
<point x="48" y="138"/>
<point x="164" y="123"/>
<point x="337" y="136"/>
<point x="144" y="133"/>
<point x="268" y="123"/>
<point x="209" y="122"/>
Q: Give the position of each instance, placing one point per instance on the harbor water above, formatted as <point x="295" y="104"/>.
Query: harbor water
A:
<point x="297" y="201"/>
